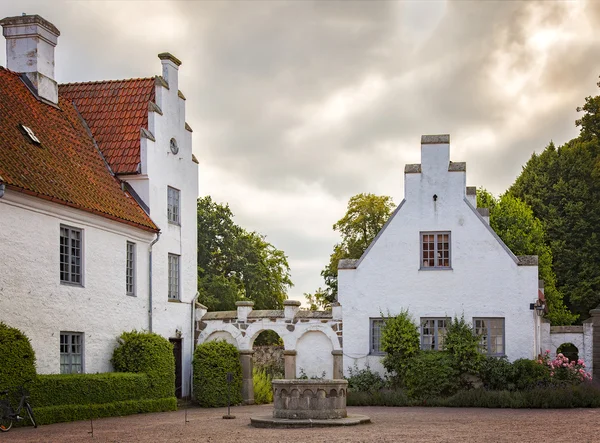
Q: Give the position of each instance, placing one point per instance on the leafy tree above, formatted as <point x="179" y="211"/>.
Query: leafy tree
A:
<point x="462" y="344"/>
<point x="562" y="186"/>
<point x="234" y="264"/>
<point x="400" y="340"/>
<point x="364" y="218"/>
<point x="524" y="234"/>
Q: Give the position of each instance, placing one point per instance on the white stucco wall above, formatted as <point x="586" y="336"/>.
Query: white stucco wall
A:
<point x="485" y="280"/>
<point x="314" y="355"/>
<point x="160" y="169"/>
<point x="32" y="297"/>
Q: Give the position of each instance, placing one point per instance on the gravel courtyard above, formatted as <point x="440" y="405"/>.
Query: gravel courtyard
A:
<point x="388" y="425"/>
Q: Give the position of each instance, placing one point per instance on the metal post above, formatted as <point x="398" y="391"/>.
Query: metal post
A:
<point x="229" y="380"/>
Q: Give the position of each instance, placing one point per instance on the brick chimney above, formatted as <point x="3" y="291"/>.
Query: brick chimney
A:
<point x="30" y="42"/>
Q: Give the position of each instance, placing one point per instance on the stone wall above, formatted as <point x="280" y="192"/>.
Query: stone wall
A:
<point x="270" y="359"/>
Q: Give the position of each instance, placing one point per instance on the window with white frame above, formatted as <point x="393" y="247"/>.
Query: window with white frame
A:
<point x="173" y="214"/>
<point x="376" y="326"/>
<point x="71" y="353"/>
<point x="130" y="269"/>
<point x="70" y="255"/>
<point x="435" y="250"/>
<point x="491" y="333"/>
<point x="173" y="277"/>
<point x="433" y="331"/>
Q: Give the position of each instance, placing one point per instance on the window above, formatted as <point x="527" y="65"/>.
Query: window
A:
<point x="491" y="332"/>
<point x="71" y="353"/>
<point x="173" y="277"/>
<point x="433" y="331"/>
<point x="375" y="334"/>
<point x="130" y="269"/>
<point x="70" y="255"/>
<point x="173" y="205"/>
<point x="435" y="250"/>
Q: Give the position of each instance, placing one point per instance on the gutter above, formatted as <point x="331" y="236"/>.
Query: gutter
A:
<point x="150" y="281"/>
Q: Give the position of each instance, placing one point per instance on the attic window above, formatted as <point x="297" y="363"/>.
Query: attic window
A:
<point x="31" y="135"/>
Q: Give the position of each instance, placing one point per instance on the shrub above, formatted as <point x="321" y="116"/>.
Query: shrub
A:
<point x="212" y="361"/>
<point x="431" y="374"/>
<point x="17" y="365"/>
<point x="263" y="390"/>
<point x="147" y="353"/>
<point x="462" y="344"/>
<point x="497" y="373"/>
<point x="364" y="380"/>
<point x="529" y="374"/>
<point x="385" y="397"/>
<point x="400" y="339"/>
<point x="563" y="372"/>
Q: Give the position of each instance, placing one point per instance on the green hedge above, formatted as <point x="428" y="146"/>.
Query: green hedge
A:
<point x="68" y="412"/>
<point x="83" y="389"/>
<point x="585" y="395"/>
<point x="17" y="364"/>
<point x="148" y="353"/>
<point x="212" y="361"/>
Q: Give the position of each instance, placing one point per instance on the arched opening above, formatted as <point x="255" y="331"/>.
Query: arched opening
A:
<point x="314" y="358"/>
<point x="268" y="364"/>
<point x="569" y="350"/>
<point x="222" y="335"/>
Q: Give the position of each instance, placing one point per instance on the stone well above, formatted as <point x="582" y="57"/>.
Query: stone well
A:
<point x="308" y="403"/>
<point x="314" y="399"/>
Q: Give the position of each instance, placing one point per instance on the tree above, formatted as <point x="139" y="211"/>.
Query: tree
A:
<point x="234" y="264"/>
<point x="364" y="218"/>
<point x="524" y="234"/>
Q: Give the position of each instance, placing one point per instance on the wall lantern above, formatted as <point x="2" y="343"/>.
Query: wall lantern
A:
<point x="539" y="306"/>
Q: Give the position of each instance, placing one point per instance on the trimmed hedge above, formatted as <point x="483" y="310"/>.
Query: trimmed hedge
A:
<point x="147" y="353"/>
<point x="84" y="389"/>
<point x="17" y="365"/>
<point x="212" y="361"/>
<point x="431" y="374"/>
<point x="585" y="395"/>
<point x="68" y="412"/>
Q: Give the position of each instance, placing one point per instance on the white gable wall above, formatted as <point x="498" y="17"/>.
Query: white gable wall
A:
<point x="33" y="299"/>
<point x="484" y="281"/>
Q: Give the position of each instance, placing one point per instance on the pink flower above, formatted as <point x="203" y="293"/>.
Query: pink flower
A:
<point x="580" y="362"/>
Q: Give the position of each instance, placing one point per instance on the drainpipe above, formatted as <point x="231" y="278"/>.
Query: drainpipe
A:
<point x="193" y="339"/>
<point x="150" y="282"/>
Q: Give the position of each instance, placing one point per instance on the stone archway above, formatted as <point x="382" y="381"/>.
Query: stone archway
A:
<point x="291" y="324"/>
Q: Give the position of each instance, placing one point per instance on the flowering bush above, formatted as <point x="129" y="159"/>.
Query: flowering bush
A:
<point x="563" y="371"/>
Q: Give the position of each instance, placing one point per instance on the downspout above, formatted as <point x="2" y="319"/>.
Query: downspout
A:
<point x="192" y="341"/>
<point x="150" y="282"/>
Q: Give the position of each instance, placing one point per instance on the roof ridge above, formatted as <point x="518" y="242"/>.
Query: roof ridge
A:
<point x="95" y="82"/>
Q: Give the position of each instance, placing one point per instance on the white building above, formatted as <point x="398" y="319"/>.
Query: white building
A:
<point x="98" y="189"/>
<point x="438" y="257"/>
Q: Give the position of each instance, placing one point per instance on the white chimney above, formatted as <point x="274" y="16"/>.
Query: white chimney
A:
<point x="170" y="68"/>
<point x="30" y="42"/>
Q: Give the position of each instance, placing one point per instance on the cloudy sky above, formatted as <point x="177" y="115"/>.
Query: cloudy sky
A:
<point x="296" y="106"/>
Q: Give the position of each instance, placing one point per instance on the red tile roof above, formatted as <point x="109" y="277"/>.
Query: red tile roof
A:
<point x="66" y="167"/>
<point x="115" y="111"/>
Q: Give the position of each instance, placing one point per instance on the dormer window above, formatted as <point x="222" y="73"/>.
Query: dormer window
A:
<point x="30" y="134"/>
<point x="174" y="147"/>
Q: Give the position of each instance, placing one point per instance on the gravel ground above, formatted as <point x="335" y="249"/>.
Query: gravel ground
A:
<point x="388" y="425"/>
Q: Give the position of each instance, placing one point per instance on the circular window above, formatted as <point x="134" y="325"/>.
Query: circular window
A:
<point x="174" y="147"/>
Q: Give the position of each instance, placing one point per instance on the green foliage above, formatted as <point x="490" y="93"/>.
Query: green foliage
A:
<point x="384" y="397"/>
<point x="400" y="339"/>
<point x="462" y="344"/>
<point x="212" y="361"/>
<point x="431" y="374"/>
<point x="235" y="265"/>
<point x="147" y="353"/>
<point x="364" y="380"/>
<point x="590" y="121"/>
<point x="263" y="390"/>
<point x="17" y="365"/>
<point x="74" y="412"/>
<point x="524" y="234"/>
<point x="529" y="374"/>
<point x="268" y="338"/>
<point x="497" y="373"/>
<point x="562" y="186"/>
<point x="364" y="218"/>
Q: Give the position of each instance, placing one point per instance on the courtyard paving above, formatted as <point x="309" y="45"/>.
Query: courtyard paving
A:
<point x="388" y="425"/>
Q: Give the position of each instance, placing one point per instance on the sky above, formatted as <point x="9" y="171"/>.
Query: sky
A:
<point x="296" y="105"/>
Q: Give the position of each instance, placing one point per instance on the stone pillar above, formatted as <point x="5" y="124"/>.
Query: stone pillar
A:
<point x="290" y="364"/>
<point x="595" y="313"/>
<point x="290" y="308"/>
<point x="338" y="364"/>
<point x="247" y="382"/>
<point x="243" y="309"/>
